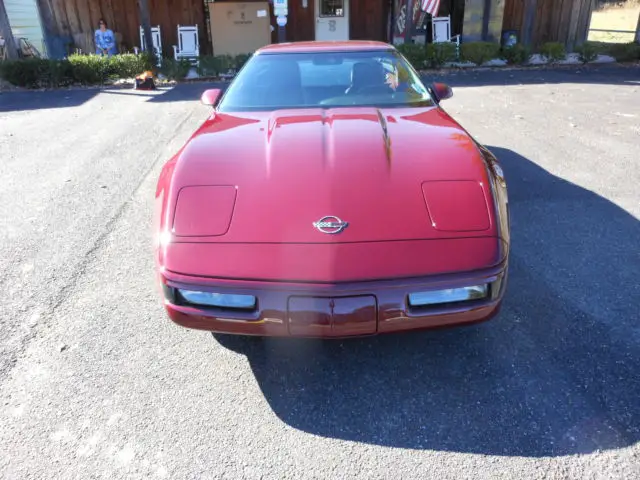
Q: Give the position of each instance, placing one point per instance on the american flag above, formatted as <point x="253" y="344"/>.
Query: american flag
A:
<point x="431" y="6"/>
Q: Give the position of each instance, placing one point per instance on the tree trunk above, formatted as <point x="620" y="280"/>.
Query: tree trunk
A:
<point x="145" y="21"/>
<point x="5" y="32"/>
<point x="529" y="21"/>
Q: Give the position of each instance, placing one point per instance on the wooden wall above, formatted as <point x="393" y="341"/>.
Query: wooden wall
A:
<point x="564" y="21"/>
<point x="75" y="21"/>
<point x="368" y="19"/>
<point x="78" y="19"/>
<point x="513" y="15"/>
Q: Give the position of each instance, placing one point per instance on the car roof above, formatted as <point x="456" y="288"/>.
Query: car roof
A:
<point x="324" y="46"/>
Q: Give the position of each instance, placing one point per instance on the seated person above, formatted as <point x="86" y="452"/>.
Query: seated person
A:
<point x="368" y="77"/>
<point x="105" y="40"/>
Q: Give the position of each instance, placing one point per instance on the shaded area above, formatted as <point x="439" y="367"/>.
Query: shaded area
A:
<point x="556" y="373"/>
<point x="185" y="92"/>
<point x="36" y="100"/>
<point x="601" y="74"/>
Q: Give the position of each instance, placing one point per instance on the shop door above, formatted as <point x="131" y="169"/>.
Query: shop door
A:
<point x="332" y="19"/>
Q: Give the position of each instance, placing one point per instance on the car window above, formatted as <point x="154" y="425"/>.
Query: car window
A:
<point x="326" y="80"/>
<point x="312" y="75"/>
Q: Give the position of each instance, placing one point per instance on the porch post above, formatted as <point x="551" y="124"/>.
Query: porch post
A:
<point x="7" y="34"/>
<point x="485" y="20"/>
<point x="145" y="21"/>
<point x="408" y="32"/>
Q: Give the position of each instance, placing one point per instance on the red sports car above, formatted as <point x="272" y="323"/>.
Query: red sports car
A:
<point x="329" y="195"/>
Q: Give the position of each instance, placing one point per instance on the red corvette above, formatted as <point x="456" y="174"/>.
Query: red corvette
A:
<point x="329" y="195"/>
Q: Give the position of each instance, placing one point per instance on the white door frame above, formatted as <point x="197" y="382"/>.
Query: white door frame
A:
<point x="330" y="27"/>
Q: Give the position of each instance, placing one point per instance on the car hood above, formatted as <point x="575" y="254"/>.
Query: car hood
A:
<point x="394" y="174"/>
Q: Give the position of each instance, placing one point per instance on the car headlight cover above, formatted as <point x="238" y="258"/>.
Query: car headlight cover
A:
<point x="435" y="297"/>
<point x="219" y="300"/>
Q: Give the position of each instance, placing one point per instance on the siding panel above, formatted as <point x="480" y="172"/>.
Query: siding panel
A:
<point x="24" y="19"/>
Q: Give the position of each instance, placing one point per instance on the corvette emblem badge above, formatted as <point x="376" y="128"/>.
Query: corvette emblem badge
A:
<point x="330" y="225"/>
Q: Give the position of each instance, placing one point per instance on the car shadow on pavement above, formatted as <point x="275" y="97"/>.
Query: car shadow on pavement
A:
<point x="556" y="373"/>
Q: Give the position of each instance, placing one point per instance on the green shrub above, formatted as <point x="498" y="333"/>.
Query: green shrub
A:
<point x="225" y="63"/>
<point x="128" y="65"/>
<point x="59" y="73"/>
<point x="212" y="66"/>
<point x="515" y="54"/>
<point x="37" y="73"/>
<point x="438" y="54"/>
<point x="78" y="69"/>
<point x="588" y="51"/>
<point x="480" y="52"/>
<point x="415" y="54"/>
<point x="27" y="73"/>
<point x="208" y="66"/>
<point x="241" y="59"/>
<point x="624" y="52"/>
<point x="95" y="69"/>
<point x="90" y="69"/>
<point x="175" y="69"/>
<point x="553" y="51"/>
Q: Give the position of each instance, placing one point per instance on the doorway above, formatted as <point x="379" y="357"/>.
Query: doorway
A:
<point x="332" y="19"/>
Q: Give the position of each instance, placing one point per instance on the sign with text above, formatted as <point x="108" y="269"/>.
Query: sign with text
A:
<point x="280" y="7"/>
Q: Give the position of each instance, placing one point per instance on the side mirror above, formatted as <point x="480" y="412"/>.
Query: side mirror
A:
<point x="442" y="91"/>
<point x="210" y="97"/>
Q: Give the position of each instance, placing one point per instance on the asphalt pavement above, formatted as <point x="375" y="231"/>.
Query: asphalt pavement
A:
<point x="96" y="382"/>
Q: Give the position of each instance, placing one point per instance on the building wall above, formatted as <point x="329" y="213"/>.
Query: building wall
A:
<point x="369" y="19"/>
<point x="75" y="21"/>
<point x="25" y="22"/>
<point x="71" y="23"/>
<point x="564" y="21"/>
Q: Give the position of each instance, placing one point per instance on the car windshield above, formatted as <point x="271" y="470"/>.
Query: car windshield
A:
<point x="325" y="80"/>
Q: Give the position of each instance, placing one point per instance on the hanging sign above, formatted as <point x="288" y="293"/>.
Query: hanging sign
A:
<point x="280" y="8"/>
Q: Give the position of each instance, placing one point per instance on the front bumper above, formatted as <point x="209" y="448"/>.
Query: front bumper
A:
<point x="333" y="310"/>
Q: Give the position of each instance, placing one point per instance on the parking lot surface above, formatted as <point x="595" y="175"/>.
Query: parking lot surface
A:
<point x="96" y="382"/>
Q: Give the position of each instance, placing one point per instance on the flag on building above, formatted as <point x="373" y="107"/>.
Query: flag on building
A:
<point x="431" y="6"/>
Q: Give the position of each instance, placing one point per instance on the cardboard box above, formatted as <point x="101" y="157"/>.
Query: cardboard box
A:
<point x="239" y="27"/>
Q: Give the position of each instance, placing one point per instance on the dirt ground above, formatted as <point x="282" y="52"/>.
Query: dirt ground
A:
<point x="615" y="17"/>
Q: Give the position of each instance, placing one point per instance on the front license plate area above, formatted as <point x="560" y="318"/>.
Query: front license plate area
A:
<point x="332" y="316"/>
